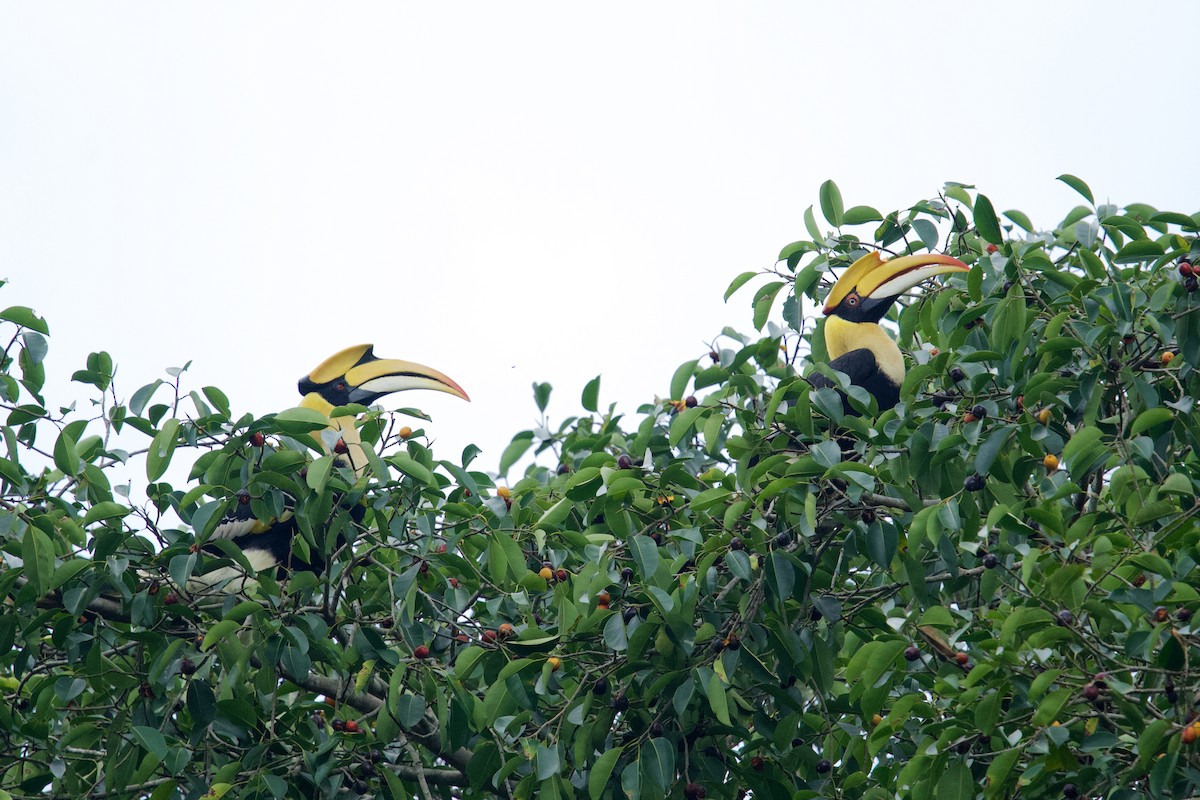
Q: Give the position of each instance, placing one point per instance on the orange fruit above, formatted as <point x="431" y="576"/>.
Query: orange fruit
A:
<point x="1050" y="462"/>
<point x="405" y="432"/>
<point x="546" y="573"/>
<point x="1167" y="357"/>
<point x="555" y="663"/>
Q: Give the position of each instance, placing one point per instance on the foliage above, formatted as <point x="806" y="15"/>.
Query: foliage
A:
<point x="747" y="589"/>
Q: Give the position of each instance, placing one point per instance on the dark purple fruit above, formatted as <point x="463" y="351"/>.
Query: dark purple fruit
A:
<point x="187" y="667"/>
<point x="1070" y="791"/>
<point x="627" y="574"/>
<point x="973" y="483"/>
<point x="979" y="411"/>
<point x="600" y="687"/>
<point x="690" y="401"/>
<point x="990" y="561"/>
<point x="758" y="764"/>
<point x="656" y="728"/>
<point x="563" y="469"/>
<point x="694" y="791"/>
<point x="629" y="613"/>
<point x="620" y="702"/>
<point x="1066" y="617"/>
<point x="1114" y="365"/>
<point x="957" y="375"/>
<point x="737" y="544"/>
<point x="1183" y="615"/>
<point x="912" y="653"/>
<point x="624" y="461"/>
<point x="1191" y="284"/>
<point x="815" y="614"/>
<point x="823" y="766"/>
<point x="1091" y="692"/>
<point x="783" y="540"/>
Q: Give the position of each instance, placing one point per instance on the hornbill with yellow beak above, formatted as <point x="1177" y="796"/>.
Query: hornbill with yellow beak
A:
<point x="855" y="342"/>
<point x="354" y="375"/>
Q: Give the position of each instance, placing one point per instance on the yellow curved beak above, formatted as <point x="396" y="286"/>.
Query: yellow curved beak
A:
<point x="387" y="375"/>
<point x="872" y="277"/>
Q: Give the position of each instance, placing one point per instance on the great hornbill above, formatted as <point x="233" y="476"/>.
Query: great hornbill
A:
<point x="854" y="340"/>
<point x="353" y="375"/>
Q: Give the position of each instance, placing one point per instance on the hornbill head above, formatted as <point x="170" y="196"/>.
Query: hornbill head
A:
<point x="357" y="375"/>
<point x="869" y="286"/>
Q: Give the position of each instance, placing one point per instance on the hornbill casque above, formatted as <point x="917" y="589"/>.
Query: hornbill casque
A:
<point x="855" y="342"/>
<point x="353" y="375"/>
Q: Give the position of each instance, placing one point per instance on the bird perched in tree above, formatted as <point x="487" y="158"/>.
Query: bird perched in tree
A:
<point x="855" y="342"/>
<point x="353" y="375"/>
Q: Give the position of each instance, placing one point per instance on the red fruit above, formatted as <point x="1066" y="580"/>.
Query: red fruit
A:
<point x="171" y="598"/>
<point x="350" y="726"/>
<point x="961" y="658"/>
<point x="1091" y="692"/>
<point x="257" y="439"/>
<point x="991" y="248"/>
<point x="560" y="574"/>
<point x="603" y="597"/>
<point x="341" y="448"/>
<point x="454" y="583"/>
<point x="421" y="651"/>
<point x="489" y="635"/>
<point x="758" y="763"/>
<point x="1186" y="269"/>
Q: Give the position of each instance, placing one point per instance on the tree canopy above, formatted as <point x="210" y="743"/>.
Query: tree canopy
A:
<point x="986" y="591"/>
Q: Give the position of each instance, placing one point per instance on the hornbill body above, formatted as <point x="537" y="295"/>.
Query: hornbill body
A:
<point x="855" y="342"/>
<point x="353" y="375"/>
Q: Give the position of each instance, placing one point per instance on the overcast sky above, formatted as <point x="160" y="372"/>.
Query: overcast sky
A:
<point x="514" y="192"/>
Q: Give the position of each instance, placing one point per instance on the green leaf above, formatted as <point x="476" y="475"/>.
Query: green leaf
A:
<point x="956" y="783"/>
<point x="412" y="468"/>
<point x="991" y="448"/>
<point x="37" y="551"/>
<point x="1137" y="251"/>
<point x="218" y="632"/>
<point x="1078" y="185"/>
<point x="1150" y="418"/>
<point x="65" y="457"/>
<point x="158" y="458"/>
<point x="645" y="556"/>
<point x="297" y="421"/>
<point x="601" y="771"/>
<point x="679" y="381"/>
<point x="831" y="203"/>
<point x="24" y="316"/>
<point x="714" y="690"/>
<point x="859" y="215"/>
<point x="1020" y="219"/>
<point x="763" y="300"/>
<point x="318" y="473"/>
<point x="516" y="448"/>
<point x="151" y="740"/>
<point x="591" y="395"/>
<point x="541" y="395"/>
<point x="555" y="514"/>
<point x="546" y="761"/>
<point x="658" y="762"/>
<point x="986" y="222"/>
<point x="736" y="284"/>
<point x="810" y="224"/>
<point x="104" y="510"/>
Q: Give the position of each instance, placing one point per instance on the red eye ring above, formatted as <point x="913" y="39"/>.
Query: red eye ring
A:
<point x="341" y="386"/>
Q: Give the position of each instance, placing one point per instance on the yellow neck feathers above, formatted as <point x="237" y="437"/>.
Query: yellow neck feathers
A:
<point x="842" y="336"/>
<point x="345" y="429"/>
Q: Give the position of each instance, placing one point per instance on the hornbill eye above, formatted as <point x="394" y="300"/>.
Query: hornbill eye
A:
<point x="852" y="300"/>
<point x="341" y="387"/>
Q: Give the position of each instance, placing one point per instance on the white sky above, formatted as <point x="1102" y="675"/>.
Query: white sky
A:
<point x="514" y="192"/>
